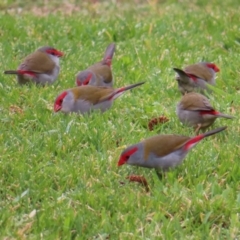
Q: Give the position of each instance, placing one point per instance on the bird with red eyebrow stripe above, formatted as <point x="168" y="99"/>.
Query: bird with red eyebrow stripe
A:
<point x="99" y="74"/>
<point x="196" y="111"/>
<point x="162" y="152"/>
<point x="196" y="77"/>
<point x="40" y="67"/>
<point x="84" y="99"/>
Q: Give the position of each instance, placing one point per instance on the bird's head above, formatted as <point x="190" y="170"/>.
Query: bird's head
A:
<point x="127" y="154"/>
<point x="83" y="78"/>
<point x="51" y="51"/>
<point x="59" y="101"/>
<point x="213" y="66"/>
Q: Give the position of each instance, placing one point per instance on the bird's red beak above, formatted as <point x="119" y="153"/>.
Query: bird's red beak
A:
<point x="125" y="156"/>
<point x="57" y="108"/>
<point x="121" y="162"/>
<point x="59" y="53"/>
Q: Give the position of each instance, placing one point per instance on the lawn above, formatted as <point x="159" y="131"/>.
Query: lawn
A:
<point x="59" y="174"/>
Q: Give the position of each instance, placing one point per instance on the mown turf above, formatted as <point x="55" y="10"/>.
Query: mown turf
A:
<point x="59" y="175"/>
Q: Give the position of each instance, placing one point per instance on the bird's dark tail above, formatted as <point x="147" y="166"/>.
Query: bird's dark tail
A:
<point x="108" y="55"/>
<point x="11" y="72"/>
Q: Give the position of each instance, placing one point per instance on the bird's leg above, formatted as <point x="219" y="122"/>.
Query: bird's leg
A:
<point x="159" y="174"/>
<point x="198" y="128"/>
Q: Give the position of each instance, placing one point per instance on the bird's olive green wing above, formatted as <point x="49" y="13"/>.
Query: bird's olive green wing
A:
<point x="90" y="93"/>
<point x="38" y="62"/>
<point x="195" y="102"/>
<point x="200" y="71"/>
<point x="162" y="145"/>
<point x="102" y="72"/>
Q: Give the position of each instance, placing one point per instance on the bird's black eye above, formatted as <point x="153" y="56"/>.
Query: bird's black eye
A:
<point x="127" y="157"/>
<point x="51" y="51"/>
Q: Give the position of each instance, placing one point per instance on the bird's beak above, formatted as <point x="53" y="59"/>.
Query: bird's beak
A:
<point x="57" y="108"/>
<point x="121" y="162"/>
<point x="59" y="54"/>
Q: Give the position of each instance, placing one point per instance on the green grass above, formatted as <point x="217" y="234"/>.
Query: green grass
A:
<point x="59" y="176"/>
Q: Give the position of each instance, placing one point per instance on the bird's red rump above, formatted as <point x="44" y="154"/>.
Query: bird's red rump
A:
<point x="22" y="72"/>
<point x="193" y="77"/>
<point x="193" y="141"/>
<point x="108" y="61"/>
<point x="211" y="112"/>
<point x="120" y="90"/>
